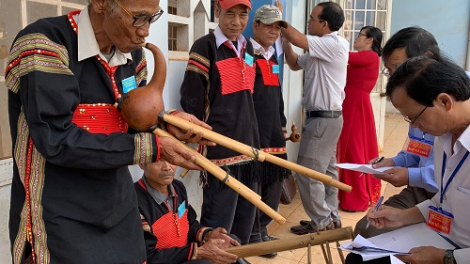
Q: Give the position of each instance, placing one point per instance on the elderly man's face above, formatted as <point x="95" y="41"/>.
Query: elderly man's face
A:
<point x="160" y="173"/>
<point x="265" y="34"/>
<point x="118" y="23"/>
<point x="396" y="58"/>
<point x="232" y="22"/>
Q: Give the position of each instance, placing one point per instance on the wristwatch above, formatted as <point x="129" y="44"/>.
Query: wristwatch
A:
<point x="449" y="257"/>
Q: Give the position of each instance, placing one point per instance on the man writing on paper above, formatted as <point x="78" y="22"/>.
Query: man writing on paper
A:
<point x="435" y="95"/>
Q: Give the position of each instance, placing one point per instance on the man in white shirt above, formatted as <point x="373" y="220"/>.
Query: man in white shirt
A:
<point x="325" y="77"/>
<point x="435" y="94"/>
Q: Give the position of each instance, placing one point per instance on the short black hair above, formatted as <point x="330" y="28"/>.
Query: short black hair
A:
<point x="376" y="35"/>
<point x="424" y="78"/>
<point x="333" y="14"/>
<point x="416" y="40"/>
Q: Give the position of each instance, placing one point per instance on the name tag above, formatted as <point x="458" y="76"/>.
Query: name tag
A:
<point x="249" y="59"/>
<point x="420" y="148"/>
<point x="129" y="84"/>
<point x="439" y="220"/>
<point x="276" y="69"/>
<point x="181" y="209"/>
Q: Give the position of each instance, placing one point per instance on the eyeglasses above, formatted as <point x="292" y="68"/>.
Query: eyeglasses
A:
<point x="386" y="73"/>
<point x="413" y="120"/>
<point x="140" y="20"/>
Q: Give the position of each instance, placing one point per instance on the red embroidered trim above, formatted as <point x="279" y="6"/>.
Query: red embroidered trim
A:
<point x="72" y="21"/>
<point x="141" y="183"/>
<point x="175" y="231"/>
<point x="269" y="78"/>
<point x="30" y="52"/>
<point x="235" y="75"/>
<point x="29" y="229"/>
<point x="99" y="118"/>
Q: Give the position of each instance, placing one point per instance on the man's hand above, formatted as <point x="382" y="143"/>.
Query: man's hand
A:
<point x="388" y="216"/>
<point x="279" y="6"/>
<point x="423" y="255"/>
<point x="211" y="250"/>
<point x="221" y="233"/>
<point x="174" y="153"/>
<point x="189" y="136"/>
<point x="397" y="176"/>
<point x="384" y="163"/>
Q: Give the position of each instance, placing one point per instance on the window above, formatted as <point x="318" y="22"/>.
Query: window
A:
<point x="360" y="13"/>
<point x="172" y="37"/>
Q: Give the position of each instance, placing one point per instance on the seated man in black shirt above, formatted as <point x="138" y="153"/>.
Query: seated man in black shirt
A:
<point x="172" y="233"/>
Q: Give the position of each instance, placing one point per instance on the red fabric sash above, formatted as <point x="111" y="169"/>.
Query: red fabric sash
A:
<point x="236" y="75"/>
<point x="269" y="78"/>
<point x="171" y="231"/>
<point x="99" y="118"/>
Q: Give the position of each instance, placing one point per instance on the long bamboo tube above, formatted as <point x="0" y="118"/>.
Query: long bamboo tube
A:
<point x="291" y="242"/>
<point x="231" y="182"/>
<point x="247" y="150"/>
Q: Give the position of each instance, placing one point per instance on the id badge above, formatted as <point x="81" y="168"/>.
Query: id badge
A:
<point x="249" y="59"/>
<point x="129" y="84"/>
<point x="439" y="220"/>
<point x="418" y="147"/>
<point x="181" y="209"/>
<point x="276" y="69"/>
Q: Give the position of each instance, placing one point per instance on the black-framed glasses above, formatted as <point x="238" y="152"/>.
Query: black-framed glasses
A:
<point x="386" y="73"/>
<point x="413" y="120"/>
<point x="140" y="20"/>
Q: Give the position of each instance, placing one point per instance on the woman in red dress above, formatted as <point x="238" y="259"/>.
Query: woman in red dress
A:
<point x="358" y="140"/>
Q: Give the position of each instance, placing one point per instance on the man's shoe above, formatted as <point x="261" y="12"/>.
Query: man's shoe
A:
<point x="268" y="238"/>
<point x="242" y="261"/>
<point x="265" y="239"/>
<point x="336" y="223"/>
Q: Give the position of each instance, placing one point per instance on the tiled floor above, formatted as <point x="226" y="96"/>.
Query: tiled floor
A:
<point x="395" y="136"/>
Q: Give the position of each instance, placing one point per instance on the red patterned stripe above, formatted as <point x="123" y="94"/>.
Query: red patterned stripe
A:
<point x="199" y="65"/>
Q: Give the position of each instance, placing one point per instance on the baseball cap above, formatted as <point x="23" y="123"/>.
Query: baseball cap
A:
<point x="227" y="4"/>
<point x="269" y="14"/>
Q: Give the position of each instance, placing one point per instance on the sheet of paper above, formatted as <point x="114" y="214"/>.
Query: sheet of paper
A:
<point x="400" y="240"/>
<point x="366" y="168"/>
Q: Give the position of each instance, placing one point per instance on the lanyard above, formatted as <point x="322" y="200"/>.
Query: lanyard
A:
<point x="422" y="139"/>
<point x="443" y="191"/>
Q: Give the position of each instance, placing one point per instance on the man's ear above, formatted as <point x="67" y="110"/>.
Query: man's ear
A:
<point x="444" y="100"/>
<point x="141" y="165"/>
<point x="217" y="10"/>
<point x="99" y="6"/>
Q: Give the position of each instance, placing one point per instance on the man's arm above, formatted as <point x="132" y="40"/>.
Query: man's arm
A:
<point x="295" y="37"/>
<point x="291" y="56"/>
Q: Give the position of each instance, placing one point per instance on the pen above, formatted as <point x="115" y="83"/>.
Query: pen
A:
<point x="377" y="206"/>
<point x="375" y="162"/>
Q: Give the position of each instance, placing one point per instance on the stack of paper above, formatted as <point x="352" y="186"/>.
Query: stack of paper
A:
<point x="396" y="242"/>
<point x="365" y="168"/>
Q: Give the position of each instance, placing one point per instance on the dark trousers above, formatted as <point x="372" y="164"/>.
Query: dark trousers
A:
<point x="270" y="195"/>
<point x="223" y="207"/>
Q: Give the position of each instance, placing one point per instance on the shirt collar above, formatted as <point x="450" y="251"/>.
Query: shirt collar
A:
<point x="257" y="47"/>
<point x="88" y="46"/>
<point x="156" y="195"/>
<point x="220" y="38"/>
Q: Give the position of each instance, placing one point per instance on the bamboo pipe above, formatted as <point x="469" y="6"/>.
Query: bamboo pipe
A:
<point x="247" y="150"/>
<point x="291" y="242"/>
<point x="231" y="182"/>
